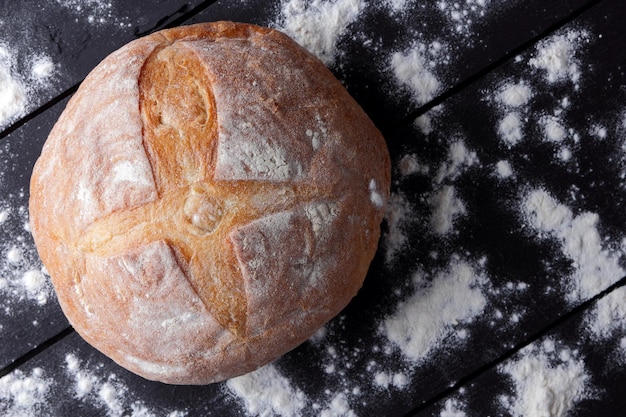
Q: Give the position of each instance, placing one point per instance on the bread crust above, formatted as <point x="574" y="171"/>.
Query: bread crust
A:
<point x="210" y="196"/>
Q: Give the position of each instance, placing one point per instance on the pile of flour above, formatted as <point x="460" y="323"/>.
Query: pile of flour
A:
<point x="413" y="70"/>
<point x="557" y="57"/>
<point x="437" y="310"/>
<point x="549" y="380"/>
<point x="317" y="25"/>
<point x="24" y="394"/>
<point x="267" y="392"/>
<point x="513" y="98"/>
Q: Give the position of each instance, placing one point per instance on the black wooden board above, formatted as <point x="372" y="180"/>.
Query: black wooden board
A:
<point x="523" y="274"/>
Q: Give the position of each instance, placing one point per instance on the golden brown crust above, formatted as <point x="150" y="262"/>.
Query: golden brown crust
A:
<point x="210" y="196"/>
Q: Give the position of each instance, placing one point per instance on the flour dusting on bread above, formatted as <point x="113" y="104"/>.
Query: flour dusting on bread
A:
<point x="209" y="198"/>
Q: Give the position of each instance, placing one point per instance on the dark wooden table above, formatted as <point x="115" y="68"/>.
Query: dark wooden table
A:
<point x="473" y="161"/>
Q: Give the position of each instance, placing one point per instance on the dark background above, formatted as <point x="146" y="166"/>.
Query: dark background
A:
<point x="487" y="52"/>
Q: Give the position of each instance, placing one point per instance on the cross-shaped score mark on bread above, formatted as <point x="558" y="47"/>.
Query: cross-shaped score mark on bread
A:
<point x="194" y="214"/>
<point x="210" y="196"/>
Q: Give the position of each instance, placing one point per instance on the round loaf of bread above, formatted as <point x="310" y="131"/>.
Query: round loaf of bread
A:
<point x="210" y="196"/>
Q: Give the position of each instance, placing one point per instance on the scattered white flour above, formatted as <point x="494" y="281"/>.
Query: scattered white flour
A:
<point x="22" y="277"/>
<point x="338" y="407"/>
<point x="14" y="255"/>
<point x="446" y="207"/>
<point x="514" y="98"/>
<point x="595" y="267"/>
<point x="553" y="129"/>
<point x="410" y="164"/>
<point x="599" y="131"/>
<point x="4" y="215"/>
<point x="16" y="89"/>
<point x="96" y="12"/>
<point x="33" y="281"/>
<point x="444" y="202"/>
<point x="84" y="381"/>
<point x="386" y="380"/>
<point x="23" y="394"/>
<point x="515" y="95"/>
<point x="557" y="57"/>
<point x="413" y="71"/>
<point x="424" y="123"/>
<point x="42" y="68"/>
<point x="548" y="382"/>
<point x="609" y="317"/>
<point x="317" y="25"/>
<point x="504" y="170"/>
<point x="564" y="153"/>
<point x="462" y="15"/>
<point x="459" y="158"/>
<point x="397" y="5"/>
<point x="267" y="392"/>
<point x="510" y="129"/>
<point x="440" y="305"/>
<point x="452" y="408"/>
<point x="106" y="393"/>
<point x="109" y="395"/>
